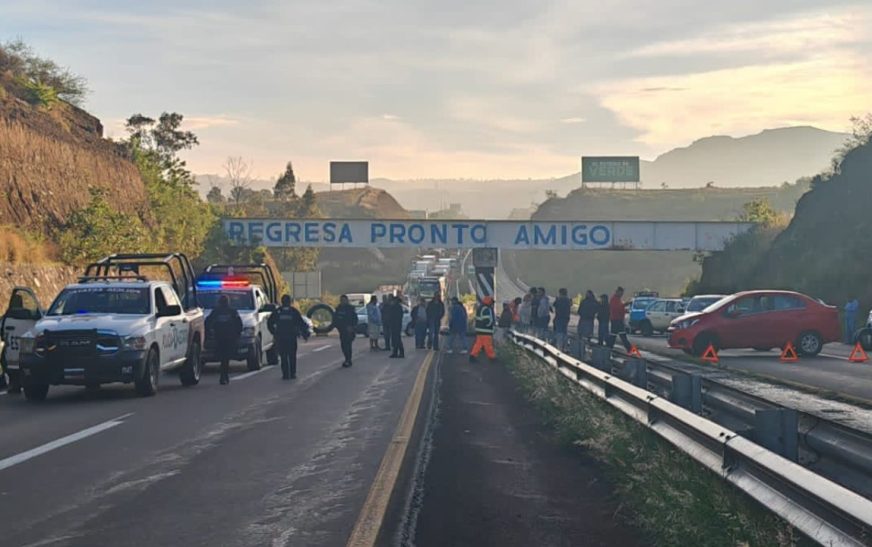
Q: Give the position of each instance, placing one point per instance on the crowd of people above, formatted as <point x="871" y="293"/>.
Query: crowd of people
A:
<point x="602" y="319"/>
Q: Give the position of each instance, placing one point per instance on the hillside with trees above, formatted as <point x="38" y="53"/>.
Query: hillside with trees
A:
<point x="823" y="250"/>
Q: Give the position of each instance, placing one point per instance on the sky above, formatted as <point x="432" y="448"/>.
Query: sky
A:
<point x="457" y="88"/>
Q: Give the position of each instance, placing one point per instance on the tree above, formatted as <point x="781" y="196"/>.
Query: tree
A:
<point x="286" y="185"/>
<point x="41" y="75"/>
<point x="759" y="211"/>
<point x="162" y="140"/>
<point x="97" y="230"/>
<point x="215" y="196"/>
<point x="238" y="173"/>
<point x="308" y="204"/>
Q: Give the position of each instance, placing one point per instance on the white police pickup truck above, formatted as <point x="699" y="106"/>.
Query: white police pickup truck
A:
<point x="116" y="325"/>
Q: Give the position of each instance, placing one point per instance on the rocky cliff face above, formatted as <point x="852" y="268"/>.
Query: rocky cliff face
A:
<point x="50" y="158"/>
<point x="46" y="280"/>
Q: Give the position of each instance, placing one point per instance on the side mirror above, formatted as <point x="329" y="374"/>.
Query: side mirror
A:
<point x="170" y="311"/>
<point x="268" y="308"/>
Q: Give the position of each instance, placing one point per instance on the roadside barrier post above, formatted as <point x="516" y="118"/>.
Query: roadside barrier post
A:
<point x="636" y="372"/>
<point x="777" y="429"/>
<point x="601" y="358"/>
<point x="687" y="392"/>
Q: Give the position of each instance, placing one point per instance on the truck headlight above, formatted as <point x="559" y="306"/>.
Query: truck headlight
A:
<point x="26" y="345"/>
<point x="248" y="332"/>
<point x="136" y="343"/>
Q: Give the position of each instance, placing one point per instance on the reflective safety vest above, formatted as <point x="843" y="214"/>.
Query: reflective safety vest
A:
<point x="484" y="320"/>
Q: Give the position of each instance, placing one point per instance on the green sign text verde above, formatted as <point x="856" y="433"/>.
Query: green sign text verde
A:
<point x="610" y="169"/>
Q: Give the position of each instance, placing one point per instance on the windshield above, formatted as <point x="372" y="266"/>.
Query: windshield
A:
<point x="239" y="300"/>
<point x="120" y="300"/>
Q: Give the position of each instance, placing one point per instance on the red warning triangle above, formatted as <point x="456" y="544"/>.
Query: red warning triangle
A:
<point x="710" y="355"/>
<point x="789" y="354"/>
<point x="634" y="352"/>
<point x="858" y="355"/>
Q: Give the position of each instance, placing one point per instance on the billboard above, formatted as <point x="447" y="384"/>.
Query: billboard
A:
<point x="349" y="171"/>
<point x="610" y="169"/>
<point x="500" y="234"/>
<point x="304" y="284"/>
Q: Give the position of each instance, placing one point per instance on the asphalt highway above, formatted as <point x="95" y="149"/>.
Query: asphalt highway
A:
<point x="829" y="371"/>
<point x="260" y="462"/>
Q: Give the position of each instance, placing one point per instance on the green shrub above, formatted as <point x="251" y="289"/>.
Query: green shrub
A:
<point x="40" y="94"/>
<point x="98" y="230"/>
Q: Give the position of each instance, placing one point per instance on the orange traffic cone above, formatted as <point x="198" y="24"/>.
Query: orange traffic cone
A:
<point x="789" y="354"/>
<point x="858" y="354"/>
<point x="634" y="352"/>
<point x="710" y="355"/>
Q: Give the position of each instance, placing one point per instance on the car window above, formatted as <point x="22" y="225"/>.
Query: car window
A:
<point x="788" y="302"/>
<point x="23" y="300"/>
<point x="744" y="306"/>
<point x="170" y="297"/>
<point x="657" y="306"/>
<point x="160" y="301"/>
<point x="671" y="306"/>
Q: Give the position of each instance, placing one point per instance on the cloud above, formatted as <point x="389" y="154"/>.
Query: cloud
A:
<point x="204" y="122"/>
<point x="573" y="120"/>
<point x="391" y="117"/>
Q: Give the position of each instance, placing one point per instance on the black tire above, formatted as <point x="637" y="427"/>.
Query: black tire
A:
<point x="255" y="356"/>
<point x="35" y="392"/>
<point x="809" y="343"/>
<point x="647" y="329"/>
<point x="864" y="336"/>
<point x="146" y="383"/>
<point x="272" y="355"/>
<point x="190" y="373"/>
<point x="319" y="312"/>
<point x="702" y="342"/>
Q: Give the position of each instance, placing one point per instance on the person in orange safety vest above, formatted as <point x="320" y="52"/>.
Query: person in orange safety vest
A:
<point x="484" y="330"/>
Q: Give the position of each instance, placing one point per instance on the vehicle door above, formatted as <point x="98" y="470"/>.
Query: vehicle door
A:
<point x="22" y="313"/>
<point x="263" y="314"/>
<point x="163" y="327"/>
<point x="743" y="323"/>
<point x="178" y="325"/>
<point x="674" y="308"/>
<point x="787" y="320"/>
<point x="656" y="315"/>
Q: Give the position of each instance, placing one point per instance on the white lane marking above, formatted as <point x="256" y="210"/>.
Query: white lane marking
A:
<point x="245" y="375"/>
<point x="320" y="348"/>
<point x="63" y="441"/>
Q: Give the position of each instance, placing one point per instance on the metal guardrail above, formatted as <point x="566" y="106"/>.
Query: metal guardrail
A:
<point x="821" y="509"/>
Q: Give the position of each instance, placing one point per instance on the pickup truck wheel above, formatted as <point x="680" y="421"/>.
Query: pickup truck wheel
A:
<point x="647" y="329"/>
<point x="35" y="392"/>
<point x="272" y="355"/>
<point x="146" y="384"/>
<point x="255" y="353"/>
<point x="190" y="373"/>
<point x="809" y="343"/>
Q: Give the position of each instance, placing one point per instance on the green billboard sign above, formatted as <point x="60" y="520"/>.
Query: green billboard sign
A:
<point x="610" y="169"/>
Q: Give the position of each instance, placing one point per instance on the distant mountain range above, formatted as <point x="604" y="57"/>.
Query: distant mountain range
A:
<point x="769" y="158"/>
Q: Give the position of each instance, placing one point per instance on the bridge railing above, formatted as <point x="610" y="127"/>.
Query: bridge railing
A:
<point x="820" y="508"/>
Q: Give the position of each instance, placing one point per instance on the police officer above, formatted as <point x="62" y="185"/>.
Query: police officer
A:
<point x="225" y="326"/>
<point x="395" y="317"/>
<point x="286" y="324"/>
<point x="345" y="321"/>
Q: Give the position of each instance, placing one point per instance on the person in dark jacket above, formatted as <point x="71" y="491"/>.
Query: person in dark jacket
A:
<point x="457" y="325"/>
<point x="602" y="319"/>
<point x="419" y="323"/>
<point x="534" y="309"/>
<point x="562" y="311"/>
<point x="345" y="321"/>
<point x="435" y="313"/>
<point x="385" y="309"/>
<point x="587" y="311"/>
<point x="395" y="315"/>
<point x="286" y="324"/>
<point x="225" y="327"/>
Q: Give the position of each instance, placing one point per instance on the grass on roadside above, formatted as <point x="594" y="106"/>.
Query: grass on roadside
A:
<point x="672" y="498"/>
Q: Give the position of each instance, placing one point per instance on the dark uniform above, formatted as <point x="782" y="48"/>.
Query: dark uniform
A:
<point x="395" y="318"/>
<point x="225" y="327"/>
<point x="345" y="321"/>
<point x="384" y="307"/>
<point x="286" y="324"/>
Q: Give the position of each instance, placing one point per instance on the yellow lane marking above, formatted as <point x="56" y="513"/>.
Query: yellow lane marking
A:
<point x="371" y="517"/>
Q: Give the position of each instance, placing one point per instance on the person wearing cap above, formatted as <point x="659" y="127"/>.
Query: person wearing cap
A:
<point x="225" y="326"/>
<point x="286" y="324"/>
<point x="484" y="330"/>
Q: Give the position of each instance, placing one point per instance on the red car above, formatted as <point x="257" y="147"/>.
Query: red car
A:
<point x="761" y="320"/>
